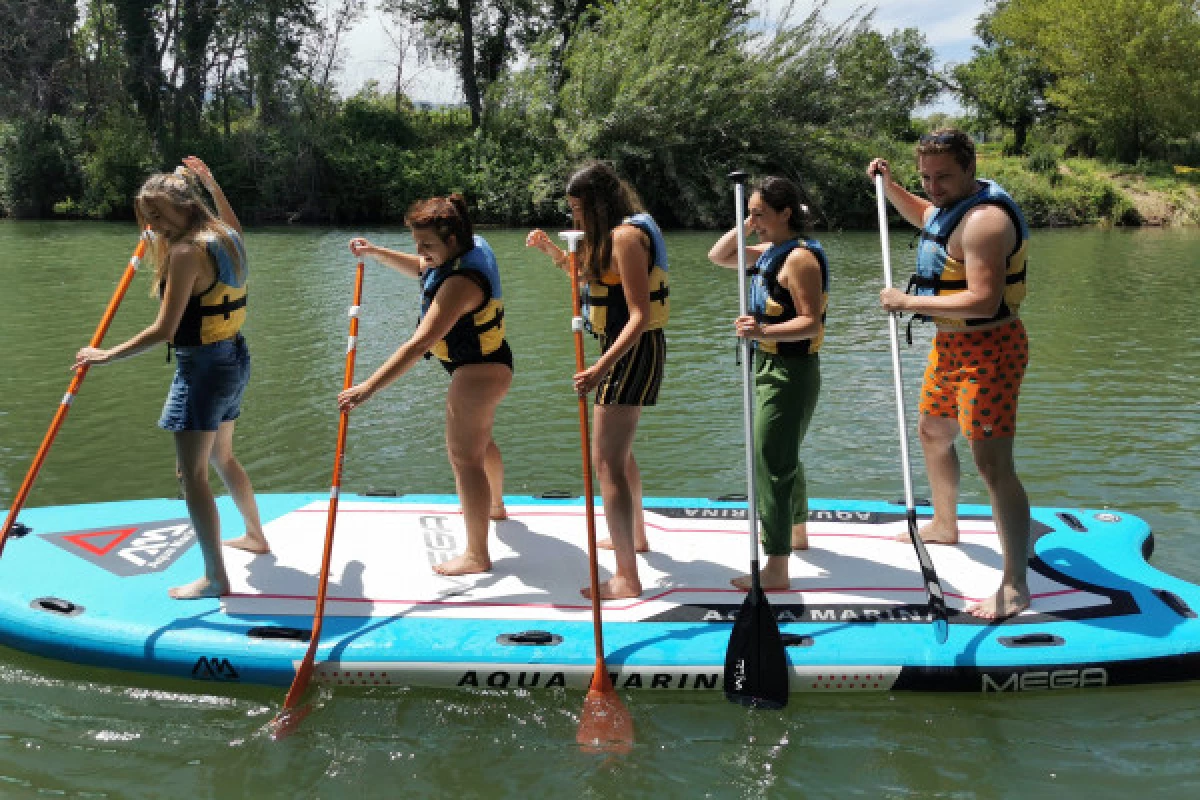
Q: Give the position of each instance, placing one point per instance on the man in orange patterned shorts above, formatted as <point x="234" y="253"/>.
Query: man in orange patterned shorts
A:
<point x="970" y="281"/>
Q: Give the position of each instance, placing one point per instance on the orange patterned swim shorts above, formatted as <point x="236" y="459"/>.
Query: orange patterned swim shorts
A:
<point x="976" y="377"/>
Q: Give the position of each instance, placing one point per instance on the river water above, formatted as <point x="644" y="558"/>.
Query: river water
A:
<point x="1109" y="418"/>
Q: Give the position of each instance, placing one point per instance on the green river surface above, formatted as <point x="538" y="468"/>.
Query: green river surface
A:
<point x="1109" y="418"/>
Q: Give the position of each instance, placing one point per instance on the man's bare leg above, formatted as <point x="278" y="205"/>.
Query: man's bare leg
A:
<point x="1010" y="510"/>
<point x="941" y="465"/>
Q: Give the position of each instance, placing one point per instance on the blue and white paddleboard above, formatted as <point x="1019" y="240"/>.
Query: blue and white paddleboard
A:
<point x="89" y="585"/>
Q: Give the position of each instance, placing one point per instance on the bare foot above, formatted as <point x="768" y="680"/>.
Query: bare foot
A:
<point x="466" y="564"/>
<point x="498" y="512"/>
<point x="615" y="589"/>
<point x="1008" y="602"/>
<point x="774" y="575"/>
<point x="800" y="536"/>
<point x="251" y="543"/>
<point x="638" y="547"/>
<point x="932" y="535"/>
<point x="202" y="587"/>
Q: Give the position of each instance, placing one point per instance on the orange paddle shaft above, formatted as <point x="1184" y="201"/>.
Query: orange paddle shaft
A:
<point x="586" y="447"/>
<point x="65" y="406"/>
<point x="304" y="673"/>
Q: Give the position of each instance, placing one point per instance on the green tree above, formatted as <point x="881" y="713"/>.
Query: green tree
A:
<point x="670" y="111"/>
<point x="36" y="89"/>
<point x="480" y="37"/>
<point x="1127" y="72"/>
<point x="1004" y="84"/>
<point x="879" y="79"/>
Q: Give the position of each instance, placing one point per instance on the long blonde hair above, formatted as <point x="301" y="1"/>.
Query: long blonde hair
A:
<point x="181" y="191"/>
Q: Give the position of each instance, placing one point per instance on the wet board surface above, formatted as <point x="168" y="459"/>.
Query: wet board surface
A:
<point x="88" y="585"/>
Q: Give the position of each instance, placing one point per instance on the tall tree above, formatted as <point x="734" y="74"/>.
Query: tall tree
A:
<point x="198" y="20"/>
<point x="1003" y="83"/>
<point x="1127" y="72"/>
<point x="138" y="21"/>
<point x="480" y="37"/>
<point x="35" y="55"/>
<point x="36" y="81"/>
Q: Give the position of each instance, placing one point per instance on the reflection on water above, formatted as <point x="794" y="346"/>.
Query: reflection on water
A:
<point x="1108" y="418"/>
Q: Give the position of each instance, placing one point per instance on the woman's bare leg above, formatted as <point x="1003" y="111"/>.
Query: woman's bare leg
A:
<point x="612" y="444"/>
<point x="192" y="451"/>
<point x="475" y="392"/>
<point x="238" y="483"/>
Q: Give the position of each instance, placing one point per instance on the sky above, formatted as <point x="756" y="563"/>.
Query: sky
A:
<point x="371" y="53"/>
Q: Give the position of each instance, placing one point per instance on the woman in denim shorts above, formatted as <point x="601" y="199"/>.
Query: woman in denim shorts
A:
<point x="200" y="279"/>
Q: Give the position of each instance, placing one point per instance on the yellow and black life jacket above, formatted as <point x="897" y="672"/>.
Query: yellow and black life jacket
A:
<point x="605" y="310"/>
<point x="480" y="332"/>
<point x="220" y="310"/>
<point x="771" y="303"/>
<point x="940" y="274"/>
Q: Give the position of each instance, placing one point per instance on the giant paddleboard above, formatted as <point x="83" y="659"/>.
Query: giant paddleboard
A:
<point x="89" y="585"/>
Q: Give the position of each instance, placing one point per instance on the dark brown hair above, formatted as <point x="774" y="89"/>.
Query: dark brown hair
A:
<point x="952" y="141"/>
<point x="446" y="217"/>
<point x="606" y="201"/>
<point x="780" y="193"/>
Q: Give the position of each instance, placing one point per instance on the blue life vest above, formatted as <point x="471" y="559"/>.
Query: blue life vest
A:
<point x="477" y="333"/>
<point x="770" y="303"/>
<point x="605" y="311"/>
<point x="938" y="273"/>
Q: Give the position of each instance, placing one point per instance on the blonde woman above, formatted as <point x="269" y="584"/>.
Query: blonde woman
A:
<point x="200" y="280"/>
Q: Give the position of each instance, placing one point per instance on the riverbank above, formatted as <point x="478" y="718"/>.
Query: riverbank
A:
<point x="1082" y="191"/>
<point x="1054" y="192"/>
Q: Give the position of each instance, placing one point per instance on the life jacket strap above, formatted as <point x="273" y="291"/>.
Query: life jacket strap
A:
<point x="225" y="308"/>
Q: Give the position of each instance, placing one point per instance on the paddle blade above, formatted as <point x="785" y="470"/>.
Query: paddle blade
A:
<point x="288" y="720"/>
<point x="756" y="665"/>
<point x="605" y="726"/>
<point x="300" y="682"/>
<point x="933" y="586"/>
<point x="293" y="712"/>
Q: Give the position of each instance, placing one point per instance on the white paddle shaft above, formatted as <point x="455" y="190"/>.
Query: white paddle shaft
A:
<point x="739" y="194"/>
<point x="897" y="376"/>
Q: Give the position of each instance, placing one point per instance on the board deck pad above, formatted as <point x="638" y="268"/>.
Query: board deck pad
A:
<point x="383" y="556"/>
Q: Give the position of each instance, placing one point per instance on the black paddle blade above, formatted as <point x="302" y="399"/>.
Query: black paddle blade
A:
<point x="756" y="665"/>
<point x="933" y="586"/>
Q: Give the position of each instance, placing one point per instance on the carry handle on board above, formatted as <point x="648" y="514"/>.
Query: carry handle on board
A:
<point x="933" y="587"/>
<point x="605" y="724"/>
<point x="293" y="712"/>
<point x="756" y="665"/>
<point x="60" y="416"/>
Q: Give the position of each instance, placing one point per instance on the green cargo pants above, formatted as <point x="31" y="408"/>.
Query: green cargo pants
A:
<point x="785" y="396"/>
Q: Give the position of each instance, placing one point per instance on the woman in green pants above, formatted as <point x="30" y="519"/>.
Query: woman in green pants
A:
<point x="788" y="296"/>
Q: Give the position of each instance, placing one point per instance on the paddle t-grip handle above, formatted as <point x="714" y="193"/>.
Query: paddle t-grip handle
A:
<point x="572" y="238"/>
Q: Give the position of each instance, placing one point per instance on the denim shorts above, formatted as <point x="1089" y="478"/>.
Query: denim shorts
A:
<point x="208" y="386"/>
